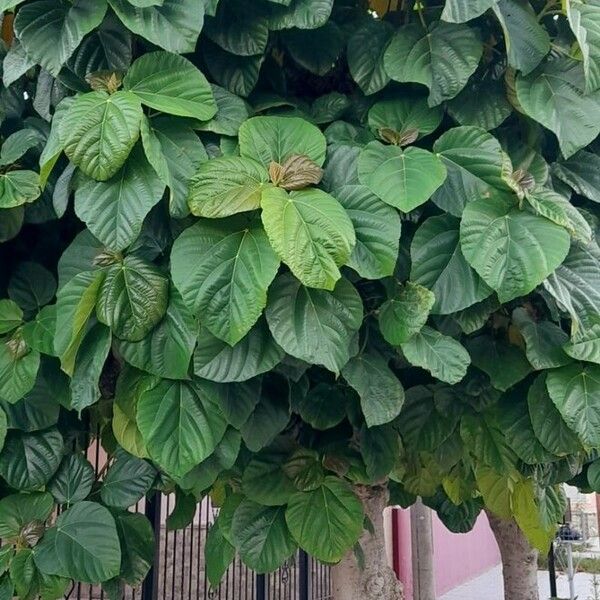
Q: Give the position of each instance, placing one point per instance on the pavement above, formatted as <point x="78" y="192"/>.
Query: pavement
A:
<point x="489" y="587"/>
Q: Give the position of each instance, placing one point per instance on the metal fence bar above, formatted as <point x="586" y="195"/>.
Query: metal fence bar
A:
<point x="153" y="512"/>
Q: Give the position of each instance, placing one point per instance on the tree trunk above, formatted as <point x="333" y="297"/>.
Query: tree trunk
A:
<point x="377" y="581"/>
<point x="519" y="560"/>
<point x="422" y="552"/>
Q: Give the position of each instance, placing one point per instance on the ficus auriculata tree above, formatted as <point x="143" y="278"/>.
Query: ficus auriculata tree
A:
<point x="306" y="256"/>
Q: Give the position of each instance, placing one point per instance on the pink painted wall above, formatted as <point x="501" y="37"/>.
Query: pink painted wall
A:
<point x="458" y="558"/>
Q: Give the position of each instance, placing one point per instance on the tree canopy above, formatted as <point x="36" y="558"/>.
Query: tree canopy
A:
<point x="273" y="250"/>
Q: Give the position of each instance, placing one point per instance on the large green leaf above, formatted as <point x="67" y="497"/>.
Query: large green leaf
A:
<point x="227" y="185"/>
<point x="475" y="164"/>
<point x="311" y="232"/>
<point x="554" y="95"/>
<point x="173" y="24"/>
<point x="133" y="298"/>
<point x="114" y="210"/>
<point x="18" y="187"/>
<point x="504" y="363"/>
<point x="317" y="50"/>
<point x="513" y="251"/>
<point x="403" y="315"/>
<point x="83" y="545"/>
<point x="323" y="407"/>
<point x="366" y="48"/>
<point x="575" y="391"/>
<point x="444" y="357"/>
<point x="20" y="510"/>
<point x="127" y="481"/>
<point x="548" y="424"/>
<point x="171" y="84"/>
<point x="316" y="326"/>
<point x="28" y="460"/>
<point x="459" y="11"/>
<point x="442" y="58"/>
<point x="261" y="536"/>
<point x="232" y="111"/>
<point x="175" y="152"/>
<point x="137" y="546"/>
<point x="303" y="14"/>
<point x="584" y="18"/>
<point x="51" y="30"/>
<point x="438" y="264"/>
<point x="381" y="393"/>
<point x="527" y="42"/>
<point x="218" y="554"/>
<point x="254" y="354"/>
<point x="483" y="437"/>
<point x="99" y="131"/>
<point x="401" y="178"/>
<point x="327" y="521"/>
<point x="31" y="286"/>
<point x="167" y="350"/>
<point x="223" y="271"/>
<point x="582" y="173"/>
<point x="181" y="423"/>
<point x="18" y="369"/>
<point x="267" y="139"/>
<point x="73" y="481"/>
<point x="377" y="228"/>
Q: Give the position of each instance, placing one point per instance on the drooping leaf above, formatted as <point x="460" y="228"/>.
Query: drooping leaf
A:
<point x="218" y="554"/>
<point x="328" y="321"/>
<point x="584" y="19"/>
<point x="581" y="173"/>
<point x="137" y="546"/>
<point x="513" y="251"/>
<point x="442" y="58"/>
<point x="457" y="11"/>
<point x="311" y="232"/>
<point x="223" y="271"/>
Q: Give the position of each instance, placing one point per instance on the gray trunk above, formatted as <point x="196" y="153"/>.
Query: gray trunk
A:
<point x="377" y="581"/>
<point x="519" y="560"/>
<point x="422" y="552"/>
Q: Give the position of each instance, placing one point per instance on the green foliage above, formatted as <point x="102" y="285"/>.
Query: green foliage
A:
<point x="275" y="250"/>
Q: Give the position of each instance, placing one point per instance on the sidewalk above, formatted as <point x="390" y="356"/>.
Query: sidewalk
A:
<point x="489" y="587"/>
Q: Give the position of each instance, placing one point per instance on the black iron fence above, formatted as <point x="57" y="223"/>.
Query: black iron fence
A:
<point x="179" y="574"/>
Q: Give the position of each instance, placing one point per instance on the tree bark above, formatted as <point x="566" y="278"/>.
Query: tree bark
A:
<point x="519" y="560"/>
<point x="377" y="581"/>
<point x="422" y="552"/>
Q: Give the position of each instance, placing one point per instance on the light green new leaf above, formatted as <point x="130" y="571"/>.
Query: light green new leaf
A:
<point x="175" y="152"/>
<point x="83" y="545"/>
<point x="171" y="84"/>
<point x="261" y="536"/>
<point x="584" y="19"/>
<point x="559" y="210"/>
<point x="504" y="363"/>
<point x="526" y="40"/>
<point x="267" y="139"/>
<point x="133" y="298"/>
<point x="512" y="250"/>
<point x="459" y="11"/>
<point x="438" y="263"/>
<point x="181" y="423"/>
<point x="554" y="95"/>
<point x="496" y="490"/>
<point x="404" y="315"/>
<point x="19" y="187"/>
<point x="327" y="521"/>
<point x="366" y="49"/>
<point x="28" y="460"/>
<point x="114" y="210"/>
<point x="444" y="357"/>
<point x="227" y="185"/>
<point x="311" y="232"/>
<point x="442" y="58"/>
<point x="316" y="326"/>
<point x="51" y="30"/>
<point x="475" y="164"/>
<point x="575" y="391"/>
<point x="381" y="393"/>
<point x="223" y="271"/>
<point x="377" y="227"/>
<point x="167" y="350"/>
<point x="99" y="131"/>
<point x="405" y="178"/>
<point x="254" y="354"/>
<point x="173" y="24"/>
